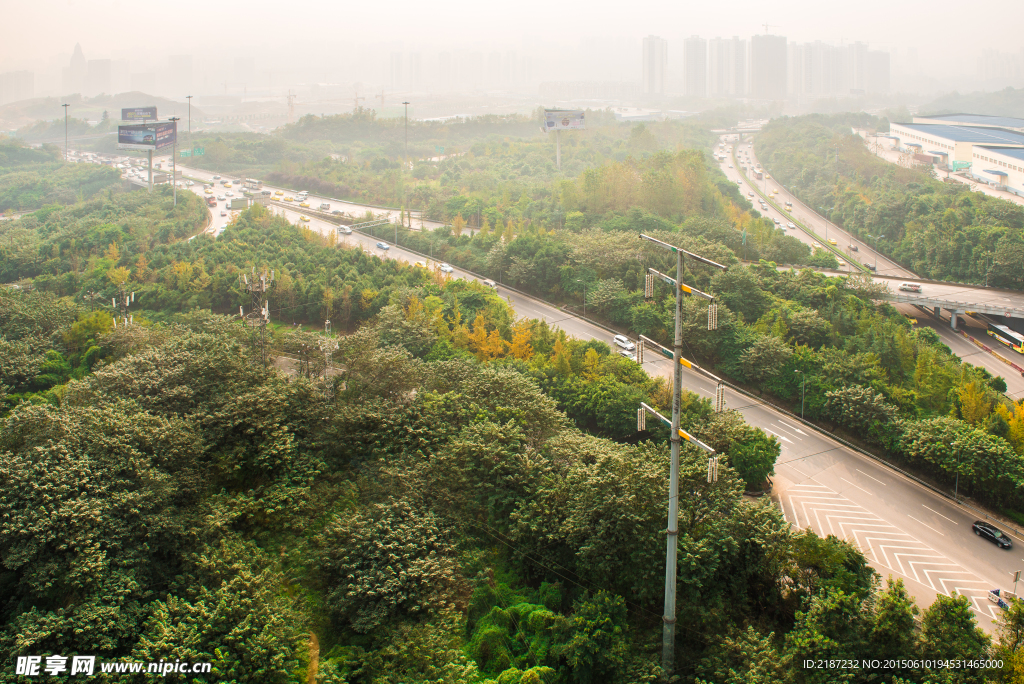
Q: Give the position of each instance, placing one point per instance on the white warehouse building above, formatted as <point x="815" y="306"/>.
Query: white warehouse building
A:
<point x="953" y="145"/>
<point x="1001" y="166"/>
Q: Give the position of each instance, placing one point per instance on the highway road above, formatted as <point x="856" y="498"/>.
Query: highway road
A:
<point x="903" y="528"/>
<point x="823" y="229"/>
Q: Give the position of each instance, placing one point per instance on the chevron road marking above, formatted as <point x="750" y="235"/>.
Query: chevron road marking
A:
<point x="886" y="546"/>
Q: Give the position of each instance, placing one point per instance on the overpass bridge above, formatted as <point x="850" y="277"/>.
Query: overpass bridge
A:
<point x="956" y="298"/>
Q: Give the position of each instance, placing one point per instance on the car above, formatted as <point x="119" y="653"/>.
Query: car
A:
<point x="383" y="245"/>
<point x="870" y="267"/>
<point x="228" y="184"/>
<point x="853" y="248"/>
<point x="421" y="264"/>
<point x="446" y="268"/>
<point x="623" y="342"/>
<point x="289" y="199"/>
<point x="223" y="213"/>
<point x="730" y="166"/>
<point x="325" y="207"/>
<point x="832" y="242"/>
<point x="627" y="354"/>
<point x="910" y="287"/>
<point x="767" y="176"/>
<point x="791" y="225"/>
<point x="229" y="194"/>
<point x="216" y="178"/>
<point x="220" y="198"/>
<point x="304" y="219"/>
<point x="789" y="207"/>
<point x="750" y="194"/>
<point x="336" y="212"/>
<point x="305" y="204"/>
<point x="278" y="192"/>
<point x="992" y="533"/>
<point x="841" y="263"/>
<point x="344" y="230"/>
<point x="775" y="189"/>
<point x="491" y="284"/>
<point x="815" y="245"/>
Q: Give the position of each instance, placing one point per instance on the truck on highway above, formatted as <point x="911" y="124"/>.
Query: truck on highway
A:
<point x="211" y="201"/>
<point x="239" y="203"/>
<point x="325" y="206"/>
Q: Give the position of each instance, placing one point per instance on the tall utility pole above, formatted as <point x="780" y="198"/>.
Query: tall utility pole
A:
<point x="668" y="635"/>
<point x="584" y="296"/>
<point x="803" y="390"/>
<point x="189" y="98"/>
<point x="174" y="160"/>
<point x="259" y="313"/>
<point x="406" y="133"/>
<point x="65" y="106"/>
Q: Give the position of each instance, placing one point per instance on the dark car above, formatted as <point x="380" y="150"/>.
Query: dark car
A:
<point x="870" y="267"/>
<point x="984" y="529"/>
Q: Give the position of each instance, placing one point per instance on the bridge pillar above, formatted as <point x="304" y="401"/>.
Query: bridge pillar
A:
<point x="952" y="319"/>
<point x="937" y="313"/>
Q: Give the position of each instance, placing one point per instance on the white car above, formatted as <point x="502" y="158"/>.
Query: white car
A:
<point x="791" y="225"/>
<point x="623" y="342"/>
<point x="446" y="268"/>
<point x="628" y="354"/>
<point x="229" y="194"/>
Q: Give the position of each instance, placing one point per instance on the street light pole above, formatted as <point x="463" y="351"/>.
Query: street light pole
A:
<point x="803" y="388"/>
<point x="584" y="296"/>
<point x="189" y="98"/>
<point x="65" y="106"/>
<point x="822" y="209"/>
<point x="174" y="160"/>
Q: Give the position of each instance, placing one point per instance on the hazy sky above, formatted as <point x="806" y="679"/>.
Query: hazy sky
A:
<point x="40" y="29"/>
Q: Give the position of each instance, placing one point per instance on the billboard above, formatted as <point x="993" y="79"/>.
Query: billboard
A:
<point x="153" y="136"/>
<point x="138" y="114"/>
<point x="564" y="120"/>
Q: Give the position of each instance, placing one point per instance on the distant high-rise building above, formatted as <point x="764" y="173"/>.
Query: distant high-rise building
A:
<point x="120" y="76"/>
<point x="727" y="67"/>
<point x="877" y="76"/>
<point x="511" y="68"/>
<point x="494" y="69"/>
<point x="768" y="67"/>
<point x="179" y="76"/>
<point x="73" y="80"/>
<point x="415" y="69"/>
<point x="444" y="70"/>
<point x="16" y="85"/>
<point x="396" y="70"/>
<point x="655" y="65"/>
<point x="695" y="67"/>
<point x="97" y="77"/>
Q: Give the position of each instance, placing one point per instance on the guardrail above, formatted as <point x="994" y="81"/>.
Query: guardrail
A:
<point x="797" y="223"/>
<point x="991" y="351"/>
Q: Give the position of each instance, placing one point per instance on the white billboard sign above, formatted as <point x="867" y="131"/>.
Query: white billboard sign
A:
<point x="564" y="120"/>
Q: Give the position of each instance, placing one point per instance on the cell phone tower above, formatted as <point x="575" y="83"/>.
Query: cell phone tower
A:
<point x="121" y="302"/>
<point x="257" y="285"/>
<point x="328" y="345"/>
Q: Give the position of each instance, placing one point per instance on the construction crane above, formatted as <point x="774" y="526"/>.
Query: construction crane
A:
<point x="766" y="25"/>
<point x="291" y="107"/>
<point x="356" y="100"/>
<point x="381" y="96"/>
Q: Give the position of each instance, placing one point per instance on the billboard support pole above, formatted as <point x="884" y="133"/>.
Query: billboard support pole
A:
<point x="558" y="150"/>
<point x="150" y="153"/>
<point x="174" y="160"/>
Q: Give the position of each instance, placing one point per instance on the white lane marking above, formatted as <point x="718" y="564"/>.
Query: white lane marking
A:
<point x="792" y="426"/>
<point x="782" y="428"/>
<point x="940" y="515"/>
<point x="858" y="487"/>
<point x="928" y="526"/>
<point x="873" y="478"/>
<point x="785" y="439"/>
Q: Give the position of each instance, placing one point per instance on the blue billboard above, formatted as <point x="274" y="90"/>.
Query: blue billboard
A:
<point x="152" y="136"/>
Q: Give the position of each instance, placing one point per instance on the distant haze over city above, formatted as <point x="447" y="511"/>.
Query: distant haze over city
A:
<point x="325" y="50"/>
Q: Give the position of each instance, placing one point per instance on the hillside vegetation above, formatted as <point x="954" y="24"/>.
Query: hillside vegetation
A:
<point x="939" y="230"/>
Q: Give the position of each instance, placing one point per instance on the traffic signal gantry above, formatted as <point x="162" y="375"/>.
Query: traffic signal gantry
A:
<point x="677" y="434"/>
